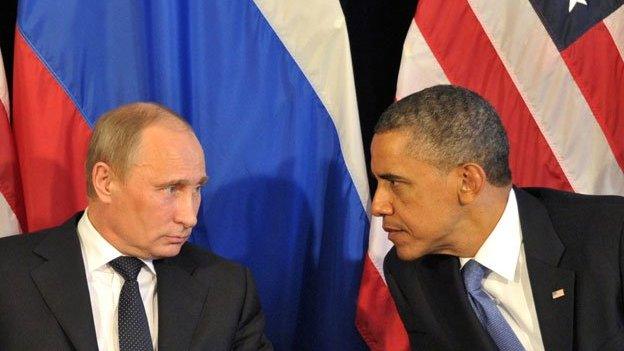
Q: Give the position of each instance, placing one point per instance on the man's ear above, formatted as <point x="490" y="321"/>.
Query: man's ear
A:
<point x="102" y="176"/>
<point x="471" y="182"/>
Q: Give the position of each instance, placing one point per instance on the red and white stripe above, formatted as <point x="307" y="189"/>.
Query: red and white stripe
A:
<point x="563" y="111"/>
<point x="10" y="191"/>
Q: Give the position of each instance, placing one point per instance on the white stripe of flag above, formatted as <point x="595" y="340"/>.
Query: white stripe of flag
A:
<point x="615" y="25"/>
<point x="330" y="72"/>
<point x="419" y="68"/>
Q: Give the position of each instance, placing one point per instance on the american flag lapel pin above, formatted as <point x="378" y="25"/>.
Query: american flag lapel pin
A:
<point x="558" y="293"/>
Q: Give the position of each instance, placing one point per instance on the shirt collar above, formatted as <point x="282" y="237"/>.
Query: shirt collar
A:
<point x="500" y="251"/>
<point x="97" y="251"/>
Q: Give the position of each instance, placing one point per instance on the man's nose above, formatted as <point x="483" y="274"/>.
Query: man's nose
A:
<point x="186" y="212"/>
<point x="382" y="204"/>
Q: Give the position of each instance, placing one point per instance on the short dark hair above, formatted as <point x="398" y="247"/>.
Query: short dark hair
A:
<point x="451" y="125"/>
<point x="117" y="134"/>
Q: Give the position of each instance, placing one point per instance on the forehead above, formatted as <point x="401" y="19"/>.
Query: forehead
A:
<point x="390" y="146"/>
<point x="389" y="153"/>
<point x="396" y="155"/>
<point x="169" y="146"/>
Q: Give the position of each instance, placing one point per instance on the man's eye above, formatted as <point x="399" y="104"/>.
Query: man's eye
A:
<point x="170" y="189"/>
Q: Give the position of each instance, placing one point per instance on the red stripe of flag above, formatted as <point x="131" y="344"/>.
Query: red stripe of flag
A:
<point x="377" y="318"/>
<point x="467" y="57"/>
<point x="51" y="138"/>
<point x="10" y="185"/>
<point x="597" y="68"/>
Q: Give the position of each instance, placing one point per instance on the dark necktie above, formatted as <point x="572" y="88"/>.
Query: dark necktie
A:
<point x="134" y="334"/>
<point x="487" y="312"/>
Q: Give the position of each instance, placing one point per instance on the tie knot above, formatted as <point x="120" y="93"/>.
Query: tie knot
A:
<point x="127" y="266"/>
<point x="473" y="273"/>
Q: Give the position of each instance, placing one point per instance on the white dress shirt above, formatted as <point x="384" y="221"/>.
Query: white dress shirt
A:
<point x="508" y="284"/>
<point x="105" y="286"/>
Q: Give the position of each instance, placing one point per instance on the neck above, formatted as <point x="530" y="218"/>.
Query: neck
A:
<point x="101" y="220"/>
<point x="483" y="216"/>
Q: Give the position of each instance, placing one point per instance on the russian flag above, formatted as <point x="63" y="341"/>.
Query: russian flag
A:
<point x="268" y="88"/>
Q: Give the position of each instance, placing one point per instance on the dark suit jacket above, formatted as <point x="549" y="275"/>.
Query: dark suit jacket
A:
<point x="572" y="242"/>
<point x="204" y="302"/>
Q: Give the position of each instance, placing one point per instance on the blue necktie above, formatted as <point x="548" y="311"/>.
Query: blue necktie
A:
<point x="487" y="312"/>
<point x="134" y="334"/>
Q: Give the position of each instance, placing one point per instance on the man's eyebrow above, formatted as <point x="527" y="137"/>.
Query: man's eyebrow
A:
<point x="391" y="177"/>
<point x="183" y="182"/>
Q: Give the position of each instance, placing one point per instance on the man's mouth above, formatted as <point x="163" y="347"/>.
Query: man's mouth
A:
<point x="391" y="229"/>
<point x="177" y="239"/>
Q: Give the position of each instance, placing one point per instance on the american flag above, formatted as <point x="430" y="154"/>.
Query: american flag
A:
<point x="11" y="208"/>
<point x="554" y="71"/>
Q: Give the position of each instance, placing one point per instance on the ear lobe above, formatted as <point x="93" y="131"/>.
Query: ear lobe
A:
<point x="471" y="182"/>
<point x="102" y="177"/>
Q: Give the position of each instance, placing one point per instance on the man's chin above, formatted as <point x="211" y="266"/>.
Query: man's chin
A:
<point x="168" y="250"/>
<point x="408" y="253"/>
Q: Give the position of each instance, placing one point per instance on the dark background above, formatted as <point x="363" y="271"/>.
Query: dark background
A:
<point x="376" y="31"/>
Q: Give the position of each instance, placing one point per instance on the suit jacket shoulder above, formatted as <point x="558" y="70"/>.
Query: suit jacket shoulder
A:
<point x="575" y="242"/>
<point x="576" y="216"/>
<point x="44" y="303"/>
<point x="13" y="249"/>
<point x="220" y="301"/>
<point x="577" y="207"/>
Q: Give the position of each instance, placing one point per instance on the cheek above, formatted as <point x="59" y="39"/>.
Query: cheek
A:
<point x="424" y="213"/>
<point x="157" y="208"/>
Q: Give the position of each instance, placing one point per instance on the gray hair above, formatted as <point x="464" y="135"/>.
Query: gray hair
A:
<point x="451" y="126"/>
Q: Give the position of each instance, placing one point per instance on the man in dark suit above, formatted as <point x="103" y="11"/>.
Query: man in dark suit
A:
<point x="478" y="264"/>
<point x="120" y="276"/>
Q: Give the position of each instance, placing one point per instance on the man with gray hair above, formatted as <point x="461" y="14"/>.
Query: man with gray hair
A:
<point x="120" y="275"/>
<point x="478" y="264"/>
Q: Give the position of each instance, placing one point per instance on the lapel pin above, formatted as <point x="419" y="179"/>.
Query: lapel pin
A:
<point x="558" y="293"/>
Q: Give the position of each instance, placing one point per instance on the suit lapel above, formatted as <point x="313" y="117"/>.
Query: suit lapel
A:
<point x="438" y="276"/>
<point x="543" y="252"/>
<point x="448" y="294"/>
<point x="61" y="280"/>
<point x="180" y="303"/>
